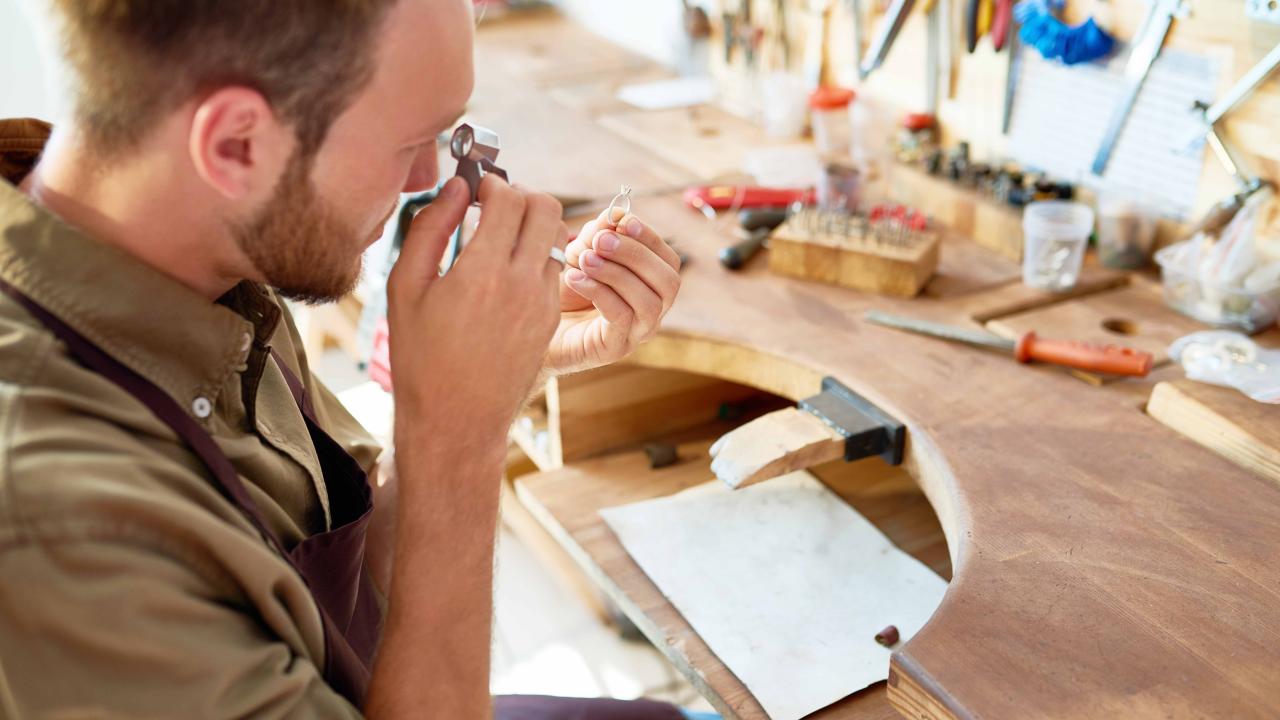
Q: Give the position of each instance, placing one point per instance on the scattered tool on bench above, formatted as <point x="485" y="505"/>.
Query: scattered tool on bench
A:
<point x="757" y="224"/>
<point x="1110" y="359"/>
<point x="724" y="197"/>
<point x="835" y="424"/>
<point x="1146" y="48"/>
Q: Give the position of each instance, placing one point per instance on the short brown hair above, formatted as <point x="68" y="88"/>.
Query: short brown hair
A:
<point x="135" y="60"/>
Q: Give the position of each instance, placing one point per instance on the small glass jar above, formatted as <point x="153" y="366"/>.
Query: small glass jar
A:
<point x="832" y="126"/>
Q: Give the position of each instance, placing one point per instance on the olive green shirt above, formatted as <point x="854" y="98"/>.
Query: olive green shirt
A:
<point x="130" y="587"/>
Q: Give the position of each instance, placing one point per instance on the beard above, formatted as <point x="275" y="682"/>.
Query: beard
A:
<point x="299" y="243"/>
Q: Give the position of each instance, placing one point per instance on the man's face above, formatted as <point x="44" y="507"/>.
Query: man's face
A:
<point x="325" y="212"/>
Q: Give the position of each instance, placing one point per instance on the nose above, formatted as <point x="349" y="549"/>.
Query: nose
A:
<point x="425" y="171"/>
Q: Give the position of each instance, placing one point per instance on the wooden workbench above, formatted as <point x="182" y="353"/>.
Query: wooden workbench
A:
<point x="1104" y="565"/>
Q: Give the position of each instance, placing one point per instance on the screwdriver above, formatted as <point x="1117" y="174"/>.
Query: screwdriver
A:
<point x="1110" y="359"/>
<point x="757" y="224"/>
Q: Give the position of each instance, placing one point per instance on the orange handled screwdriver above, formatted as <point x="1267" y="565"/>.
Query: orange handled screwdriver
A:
<point x="1110" y="359"/>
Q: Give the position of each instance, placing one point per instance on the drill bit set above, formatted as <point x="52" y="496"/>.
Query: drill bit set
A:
<point x="890" y="249"/>
<point x="887" y="225"/>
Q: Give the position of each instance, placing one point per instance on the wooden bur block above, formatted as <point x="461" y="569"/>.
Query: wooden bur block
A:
<point x="855" y="262"/>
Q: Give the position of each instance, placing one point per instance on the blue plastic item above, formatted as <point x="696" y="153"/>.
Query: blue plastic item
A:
<point x="1054" y="39"/>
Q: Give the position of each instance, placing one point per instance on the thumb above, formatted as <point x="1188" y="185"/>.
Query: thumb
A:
<point x="429" y="234"/>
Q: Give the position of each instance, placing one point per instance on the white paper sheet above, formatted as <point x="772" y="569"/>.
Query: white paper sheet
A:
<point x="784" y="581"/>
<point x="669" y="94"/>
<point x="1060" y="115"/>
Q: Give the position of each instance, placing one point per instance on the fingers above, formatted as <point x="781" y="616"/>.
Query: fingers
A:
<point x="501" y="215"/>
<point x="611" y="305"/>
<point x="429" y="234"/>
<point x="632" y="227"/>
<point x="589" y="231"/>
<point x="645" y="304"/>
<point x="541" y="230"/>
<point x="659" y="275"/>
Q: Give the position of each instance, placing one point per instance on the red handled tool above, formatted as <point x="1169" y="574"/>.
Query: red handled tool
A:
<point x="723" y="197"/>
<point x="1110" y="359"/>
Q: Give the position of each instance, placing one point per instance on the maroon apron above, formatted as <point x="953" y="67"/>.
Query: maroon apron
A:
<point x="330" y="563"/>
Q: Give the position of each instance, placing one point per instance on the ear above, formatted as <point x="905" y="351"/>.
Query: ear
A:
<point x="237" y="144"/>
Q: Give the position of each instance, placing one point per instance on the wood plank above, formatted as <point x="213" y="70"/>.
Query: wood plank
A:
<point x="705" y="141"/>
<point x="966" y="267"/>
<point x="567" y="502"/>
<point x="1242" y="430"/>
<point x="599" y="96"/>
<point x="625" y="405"/>
<point x="539" y="49"/>
<point x="776" y="444"/>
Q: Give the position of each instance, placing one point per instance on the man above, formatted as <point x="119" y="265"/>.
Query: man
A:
<point x="183" y="508"/>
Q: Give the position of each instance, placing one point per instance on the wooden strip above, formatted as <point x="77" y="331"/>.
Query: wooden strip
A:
<point x="910" y="699"/>
<point x="1225" y="421"/>
<point x="773" y="445"/>
<point x="623" y="405"/>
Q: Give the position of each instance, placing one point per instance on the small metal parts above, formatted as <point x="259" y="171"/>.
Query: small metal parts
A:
<point x="621" y="201"/>
<point x="886" y="225"/>
<point x="661" y="455"/>
<point x="476" y="150"/>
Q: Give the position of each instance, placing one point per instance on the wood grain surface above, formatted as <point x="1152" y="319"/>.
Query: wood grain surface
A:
<point x="1224" y="420"/>
<point x="1098" y="573"/>
<point x="1095" y="577"/>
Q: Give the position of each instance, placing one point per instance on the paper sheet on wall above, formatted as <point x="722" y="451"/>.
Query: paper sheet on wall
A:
<point x="1060" y="114"/>
<point x="785" y="582"/>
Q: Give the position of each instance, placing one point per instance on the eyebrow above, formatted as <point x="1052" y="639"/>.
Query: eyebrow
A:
<point x="435" y="133"/>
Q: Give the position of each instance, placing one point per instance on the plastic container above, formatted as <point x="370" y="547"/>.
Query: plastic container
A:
<point x="832" y="126"/>
<point x="1126" y="233"/>
<point x="785" y="105"/>
<point x="1055" y="234"/>
<point x="1251" y="307"/>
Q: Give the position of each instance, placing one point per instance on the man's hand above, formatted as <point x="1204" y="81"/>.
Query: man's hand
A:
<point x="621" y="281"/>
<point x="465" y="349"/>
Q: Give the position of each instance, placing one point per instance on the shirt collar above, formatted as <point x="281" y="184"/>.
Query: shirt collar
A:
<point x="158" y="327"/>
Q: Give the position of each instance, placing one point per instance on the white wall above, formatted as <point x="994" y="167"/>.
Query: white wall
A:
<point x="25" y="87"/>
<point x="649" y="27"/>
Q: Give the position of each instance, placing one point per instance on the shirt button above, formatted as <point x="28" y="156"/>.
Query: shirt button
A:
<point x="202" y="407"/>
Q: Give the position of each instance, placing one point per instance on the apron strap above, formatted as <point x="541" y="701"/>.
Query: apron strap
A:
<point x="299" y="391"/>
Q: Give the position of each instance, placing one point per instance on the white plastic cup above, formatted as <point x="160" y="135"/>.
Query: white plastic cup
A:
<point x="1055" y="235"/>
<point x="786" y="105"/>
